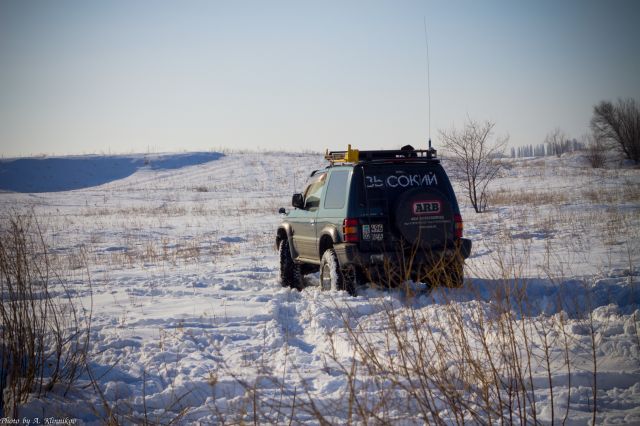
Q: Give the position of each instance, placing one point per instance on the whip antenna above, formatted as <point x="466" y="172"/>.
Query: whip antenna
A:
<point x="426" y="43"/>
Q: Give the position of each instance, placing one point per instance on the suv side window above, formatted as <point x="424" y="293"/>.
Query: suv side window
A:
<point x="313" y="191"/>
<point x="336" y="190"/>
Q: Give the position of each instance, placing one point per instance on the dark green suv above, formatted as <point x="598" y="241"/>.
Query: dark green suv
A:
<point x="382" y="217"/>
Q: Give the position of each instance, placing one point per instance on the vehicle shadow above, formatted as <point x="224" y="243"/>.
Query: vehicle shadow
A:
<point x="525" y="297"/>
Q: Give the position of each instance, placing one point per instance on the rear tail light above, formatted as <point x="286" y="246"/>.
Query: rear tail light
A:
<point x="458" y="226"/>
<point x="350" y="230"/>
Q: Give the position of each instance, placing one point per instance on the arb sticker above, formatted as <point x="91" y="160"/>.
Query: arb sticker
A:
<point x="426" y="207"/>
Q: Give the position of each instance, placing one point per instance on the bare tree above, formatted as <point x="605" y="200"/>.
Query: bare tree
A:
<point x="619" y="125"/>
<point x="596" y="150"/>
<point x="475" y="154"/>
<point x="557" y="142"/>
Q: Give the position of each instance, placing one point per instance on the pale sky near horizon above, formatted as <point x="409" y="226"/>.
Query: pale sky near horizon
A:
<point x="137" y="76"/>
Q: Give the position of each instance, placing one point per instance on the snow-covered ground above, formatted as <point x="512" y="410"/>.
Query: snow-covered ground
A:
<point x="190" y="324"/>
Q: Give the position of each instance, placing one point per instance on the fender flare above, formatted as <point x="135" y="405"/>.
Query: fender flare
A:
<point x="285" y="231"/>
<point x="329" y="232"/>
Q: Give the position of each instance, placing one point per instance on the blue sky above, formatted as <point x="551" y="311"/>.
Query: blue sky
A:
<point x="137" y="76"/>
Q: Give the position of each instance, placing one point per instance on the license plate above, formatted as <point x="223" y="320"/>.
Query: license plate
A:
<point x="373" y="232"/>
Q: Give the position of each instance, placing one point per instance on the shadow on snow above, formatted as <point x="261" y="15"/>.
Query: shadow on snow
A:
<point x="528" y="297"/>
<point x="76" y="172"/>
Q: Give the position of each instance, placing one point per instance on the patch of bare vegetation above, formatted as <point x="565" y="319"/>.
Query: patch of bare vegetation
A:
<point x="44" y="328"/>
<point x="615" y="195"/>
<point x="164" y="210"/>
<point x="508" y="197"/>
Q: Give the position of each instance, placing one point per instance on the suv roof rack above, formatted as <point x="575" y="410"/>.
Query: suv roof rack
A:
<point x="406" y="153"/>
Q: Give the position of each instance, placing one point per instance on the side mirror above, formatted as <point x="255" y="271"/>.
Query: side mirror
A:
<point x="281" y="210"/>
<point x="297" y="201"/>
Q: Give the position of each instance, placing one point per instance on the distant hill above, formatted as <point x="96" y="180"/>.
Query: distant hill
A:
<point x="52" y="174"/>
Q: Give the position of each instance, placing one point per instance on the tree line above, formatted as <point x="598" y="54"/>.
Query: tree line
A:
<point x="548" y="148"/>
<point x="613" y="127"/>
<point x="475" y="152"/>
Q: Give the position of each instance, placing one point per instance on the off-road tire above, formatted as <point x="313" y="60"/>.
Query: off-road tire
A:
<point x="352" y="278"/>
<point x="334" y="277"/>
<point x="331" y="277"/>
<point x="290" y="275"/>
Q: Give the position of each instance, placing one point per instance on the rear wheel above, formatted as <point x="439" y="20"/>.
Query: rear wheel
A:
<point x="333" y="277"/>
<point x="330" y="275"/>
<point x="352" y="277"/>
<point x="290" y="275"/>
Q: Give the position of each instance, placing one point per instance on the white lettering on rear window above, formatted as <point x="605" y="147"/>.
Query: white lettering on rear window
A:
<point x="374" y="182"/>
<point x="402" y="181"/>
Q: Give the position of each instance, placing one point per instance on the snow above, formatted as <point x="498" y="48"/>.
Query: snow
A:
<point x="50" y="174"/>
<point x="189" y="320"/>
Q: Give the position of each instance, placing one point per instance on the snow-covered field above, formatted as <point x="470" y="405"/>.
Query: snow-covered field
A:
<point x="190" y="324"/>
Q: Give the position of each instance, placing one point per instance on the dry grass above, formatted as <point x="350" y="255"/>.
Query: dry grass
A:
<point x="627" y="193"/>
<point x="164" y="210"/>
<point x="600" y="186"/>
<point x="507" y="197"/>
<point x="44" y="329"/>
<point x="454" y="363"/>
<point x="489" y="362"/>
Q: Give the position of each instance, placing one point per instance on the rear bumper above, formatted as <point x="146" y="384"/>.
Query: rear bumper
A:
<point x="350" y="254"/>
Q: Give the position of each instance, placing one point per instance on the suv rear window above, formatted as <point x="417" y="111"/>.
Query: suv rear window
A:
<point x="391" y="180"/>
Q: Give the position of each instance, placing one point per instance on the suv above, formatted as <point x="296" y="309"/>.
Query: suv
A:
<point x="374" y="216"/>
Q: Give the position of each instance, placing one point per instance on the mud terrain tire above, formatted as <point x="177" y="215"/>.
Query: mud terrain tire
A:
<point x="290" y="275"/>
<point x="334" y="277"/>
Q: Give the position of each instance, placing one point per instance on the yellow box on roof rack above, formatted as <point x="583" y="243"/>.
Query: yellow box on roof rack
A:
<point x="352" y="155"/>
<point x="348" y="156"/>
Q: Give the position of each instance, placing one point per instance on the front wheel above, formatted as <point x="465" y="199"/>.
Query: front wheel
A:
<point x="332" y="276"/>
<point x="290" y="275"/>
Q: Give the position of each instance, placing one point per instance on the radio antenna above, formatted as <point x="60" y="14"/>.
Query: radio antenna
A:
<point x="426" y="43"/>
